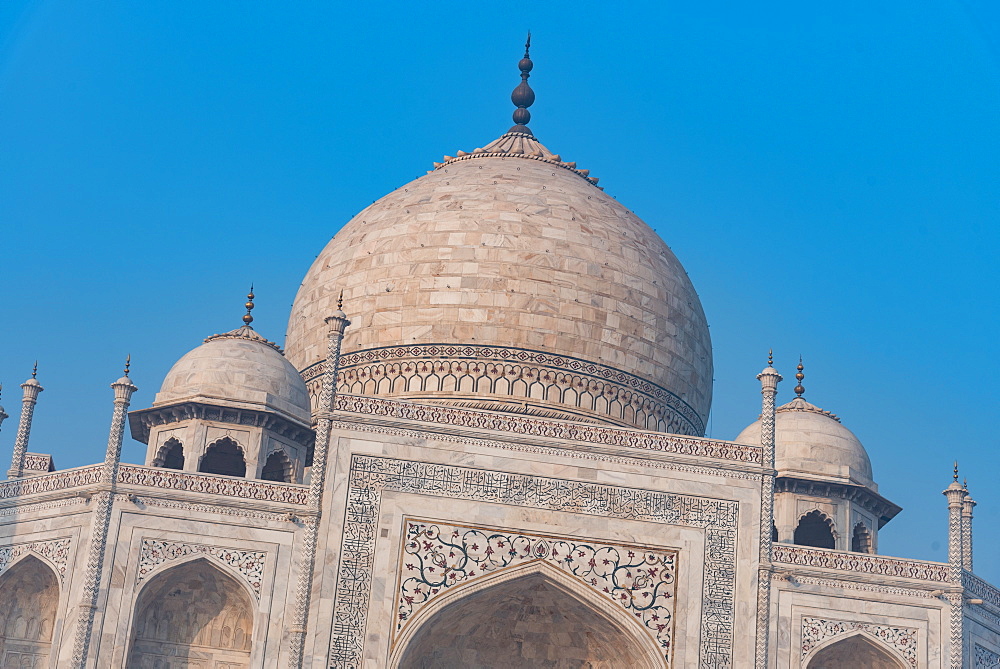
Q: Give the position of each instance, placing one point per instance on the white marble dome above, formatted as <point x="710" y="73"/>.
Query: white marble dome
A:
<point x="506" y="279"/>
<point x="238" y="369"/>
<point x="811" y="443"/>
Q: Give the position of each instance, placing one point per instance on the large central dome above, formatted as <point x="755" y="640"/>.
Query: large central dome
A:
<point x="505" y="279"/>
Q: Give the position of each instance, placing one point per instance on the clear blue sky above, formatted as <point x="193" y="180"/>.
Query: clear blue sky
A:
<point x="827" y="172"/>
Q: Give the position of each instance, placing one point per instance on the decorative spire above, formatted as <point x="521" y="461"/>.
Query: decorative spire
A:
<point x="523" y="97"/>
<point x="955" y="475"/>
<point x="248" y="319"/>
<point x="799" y="389"/>
<point x="34" y="370"/>
<point x="128" y="362"/>
<point x="340" y="301"/>
<point x="770" y="357"/>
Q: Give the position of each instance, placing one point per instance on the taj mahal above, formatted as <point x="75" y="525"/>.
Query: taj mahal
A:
<point x="481" y="445"/>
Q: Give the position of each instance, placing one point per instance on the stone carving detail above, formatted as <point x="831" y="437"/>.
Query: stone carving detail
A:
<point x="514" y="373"/>
<point x="265" y="491"/>
<point x="248" y="564"/>
<point x="591" y="434"/>
<point x="70" y="478"/>
<point x="860" y="563"/>
<point x="815" y="631"/>
<point x="36" y="462"/>
<point x="980" y="589"/>
<point x="369" y="476"/>
<point x="986" y="658"/>
<point x="55" y="551"/>
<point x="438" y="556"/>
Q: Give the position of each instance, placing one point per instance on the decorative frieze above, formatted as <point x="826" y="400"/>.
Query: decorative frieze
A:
<point x="986" y="658"/>
<point x="248" y="564"/>
<point x="537" y="427"/>
<point x="265" y="491"/>
<point x="439" y="557"/>
<point x="513" y="374"/>
<point x="816" y="631"/>
<point x="70" y="478"/>
<point x="860" y="563"/>
<point x="980" y="589"/>
<point x="55" y="551"/>
<point x="370" y="476"/>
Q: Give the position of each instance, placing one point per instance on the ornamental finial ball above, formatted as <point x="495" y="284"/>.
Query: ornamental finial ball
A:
<point x="799" y="389"/>
<point x="522" y="96"/>
<point x="770" y="357"/>
<point x="34" y="370"/>
<point x="128" y="362"/>
<point x="247" y="318"/>
<point x="955" y="475"/>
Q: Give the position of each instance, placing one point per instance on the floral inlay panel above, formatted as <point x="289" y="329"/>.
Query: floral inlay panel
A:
<point x="438" y="557"/>
<point x="55" y="551"/>
<point x="986" y="658"/>
<point x="816" y="631"/>
<point x="248" y="564"/>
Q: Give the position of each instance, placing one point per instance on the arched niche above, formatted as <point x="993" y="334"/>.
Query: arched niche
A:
<point x="534" y="616"/>
<point x="170" y="455"/>
<point x="277" y="467"/>
<point x="854" y="651"/>
<point x="192" y="614"/>
<point x="815" y="529"/>
<point x="29" y="602"/>
<point x="224" y="457"/>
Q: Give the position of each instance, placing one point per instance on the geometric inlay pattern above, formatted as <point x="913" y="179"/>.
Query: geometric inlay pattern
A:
<point x="248" y="564"/>
<point x="370" y="476"/>
<point x="986" y="658"/>
<point x="438" y="557"/>
<point x="903" y="639"/>
<point x="55" y="550"/>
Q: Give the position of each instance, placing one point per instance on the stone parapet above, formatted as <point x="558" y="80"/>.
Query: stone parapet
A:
<point x="859" y="564"/>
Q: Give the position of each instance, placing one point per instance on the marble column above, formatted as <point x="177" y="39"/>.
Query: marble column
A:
<point x="31" y="388"/>
<point x="769" y="379"/>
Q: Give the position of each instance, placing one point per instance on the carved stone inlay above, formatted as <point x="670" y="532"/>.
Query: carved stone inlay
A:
<point x="438" y="557"/>
<point x="369" y="476"/>
<point x="815" y="631"/>
<point x="860" y="563"/>
<point x="980" y="589"/>
<point x="248" y="564"/>
<point x="70" y="478"/>
<point x="536" y="427"/>
<point x="55" y="551"/>
<point x="986" y="658"/>
<point x="266" y="491"/>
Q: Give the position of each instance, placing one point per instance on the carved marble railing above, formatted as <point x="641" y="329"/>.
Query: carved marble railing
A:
<point x="54" y="482"/>
<point x="154" y="477"/>
<point x="860" y="563"/>
<point x="540" y="427"/>
<point x="981" y="589"/>
<point x="170" y="479"/>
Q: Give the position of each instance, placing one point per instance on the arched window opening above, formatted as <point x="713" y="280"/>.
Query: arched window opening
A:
<point x="861" y="541"/>
<point x="29" y="592"/>
<point x="224" y="457"/>
<point x="815" y="530"/>
<point x="529" y="621"/>
<point x="171" y="455"/>
<point x="854" y="651"/>
<point x="774" y="533"/>
<point x="277" y="468"/>
<point x="192" y="612"/>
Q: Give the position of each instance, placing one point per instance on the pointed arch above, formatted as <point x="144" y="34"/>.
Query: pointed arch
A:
<point x="29" y="591"/>
<point x="856" y="649"/>
<point x="815" y="529"/>
<point x="278" y="467"/>
<point x="170" y="455"/>
<point x="522" y="615"/>
<point x="192" y="610"/>
<point x="224" y="456"/>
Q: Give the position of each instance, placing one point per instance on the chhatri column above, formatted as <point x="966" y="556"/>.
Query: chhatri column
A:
<point x="31" y="389"/>
<point x="104" y="501"/>
<point x="337" y="324"/>
<point x="967" y="505"/>
<point x="769" y="379"/>
<point x="955" y="494"/>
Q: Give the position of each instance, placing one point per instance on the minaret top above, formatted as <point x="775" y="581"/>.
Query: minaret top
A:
<point x="522" y="96"/>
<point x="799" y="389"/>
<point x="247" y="318"/>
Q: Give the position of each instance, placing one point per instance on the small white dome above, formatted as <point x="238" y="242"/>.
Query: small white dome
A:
<point x="240" y="369"/>
<point x="811" y="443"/>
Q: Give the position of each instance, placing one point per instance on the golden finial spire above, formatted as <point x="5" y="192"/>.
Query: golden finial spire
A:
<point x="770" y="357"/>
<point x="34" y="370"/>
<point x="128" y="362"/>
<point x="340" y="301"/>
<point x="955" y="475"/>
<point x="965" y="483"/>
<point x="799" y="389"/>
<point x="523" y="97"/>
<point x="248" y="319"/>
